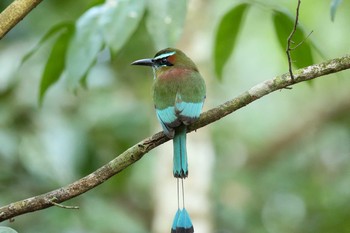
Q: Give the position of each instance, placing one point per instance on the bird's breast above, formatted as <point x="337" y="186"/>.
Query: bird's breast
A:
<point x="174" y="73"/>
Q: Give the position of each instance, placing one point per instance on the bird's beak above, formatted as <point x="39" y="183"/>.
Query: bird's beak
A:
<point x="143" y="62"/>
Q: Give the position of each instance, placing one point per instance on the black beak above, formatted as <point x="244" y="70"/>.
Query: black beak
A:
<point x="143" y="62"/>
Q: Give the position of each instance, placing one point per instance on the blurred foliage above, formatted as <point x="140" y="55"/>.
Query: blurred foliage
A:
<point x="226" y="36"/>
<point x="282" y="165"/>
<point x="302" y="56"/>
<point x="334" y="6"/>
<point x="283" y="24"/>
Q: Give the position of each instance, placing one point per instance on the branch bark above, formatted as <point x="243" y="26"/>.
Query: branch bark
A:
<point x="136" y="152"/>
<point x="14" y="13"/>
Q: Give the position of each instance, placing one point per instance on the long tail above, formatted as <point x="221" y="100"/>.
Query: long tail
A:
<point x="182" y="222"/>
<point x="180" y="169"/>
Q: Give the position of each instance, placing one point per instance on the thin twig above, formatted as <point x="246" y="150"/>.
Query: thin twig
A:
<point x="53" y="202"/>
<point x="289" y="41"/>
<point x="136" y="152"/>
<point x="301" y="42"/>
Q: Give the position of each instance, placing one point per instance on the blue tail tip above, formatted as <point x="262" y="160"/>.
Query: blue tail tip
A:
<point x="182" y="222"/>
<point x="176" y="218"/>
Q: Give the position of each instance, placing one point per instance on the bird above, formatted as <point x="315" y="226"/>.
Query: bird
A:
<point x="179" y="92"/>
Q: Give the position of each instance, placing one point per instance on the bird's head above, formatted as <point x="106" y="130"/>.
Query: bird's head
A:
<point x="166" y="59"/>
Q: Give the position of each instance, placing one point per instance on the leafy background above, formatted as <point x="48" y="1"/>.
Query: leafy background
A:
<point x="70" y="102"/>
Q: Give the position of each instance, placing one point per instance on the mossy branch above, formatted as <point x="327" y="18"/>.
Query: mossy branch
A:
<point x="14" y="13"/>
<point x="136" y="152"/>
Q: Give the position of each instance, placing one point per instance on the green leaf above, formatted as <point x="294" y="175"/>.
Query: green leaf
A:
<point x="50" y="33"/>
<point x="301" y="54"/>
<point x="226" y="36"/>
<point x="83" y="81"/>
<point x="55" y="63"/>
<point x="165" y="21"/>
<point x="111" y="24"/>
<point x="86" y="43"/>
<point x="119" y="21"/>
<point x="334" y="6"/>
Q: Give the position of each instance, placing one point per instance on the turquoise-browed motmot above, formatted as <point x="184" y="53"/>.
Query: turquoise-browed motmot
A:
<point x="178" y="94"/>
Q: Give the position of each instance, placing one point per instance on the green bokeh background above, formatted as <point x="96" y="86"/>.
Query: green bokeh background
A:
<point x="282" y="163"/>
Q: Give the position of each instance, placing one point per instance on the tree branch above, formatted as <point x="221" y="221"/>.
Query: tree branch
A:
<point x="136" y="152"/>
<point x="14" y="13"/>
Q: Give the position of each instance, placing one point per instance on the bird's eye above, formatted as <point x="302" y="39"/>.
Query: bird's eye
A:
<point x="163" y="62"/>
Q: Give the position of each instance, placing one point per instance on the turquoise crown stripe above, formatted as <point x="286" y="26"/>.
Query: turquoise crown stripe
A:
<point x="164" y="55"/>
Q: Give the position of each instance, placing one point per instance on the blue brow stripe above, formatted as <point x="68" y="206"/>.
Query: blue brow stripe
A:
<point x="164" y="55"/>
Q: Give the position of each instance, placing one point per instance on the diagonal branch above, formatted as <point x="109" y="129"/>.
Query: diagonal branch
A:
<point x="14" y="13"/>
<point x="136" y="152"/>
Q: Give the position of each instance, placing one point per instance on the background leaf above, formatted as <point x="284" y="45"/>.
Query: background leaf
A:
<point x="50" y="33"/>
<point x="284" y="24"/>
<point x="226" y="36"/>
<point x="109" y="24"/>
<point x="55" y="63"/>
<point x="120" y="20"/>
<point x="334" y="6"/>
<point x="86" y="43"/>
<point x="165" y="21"/>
